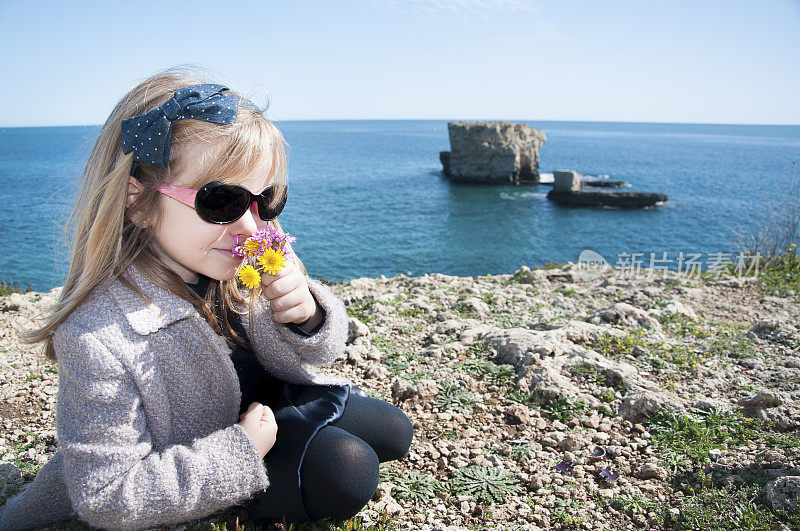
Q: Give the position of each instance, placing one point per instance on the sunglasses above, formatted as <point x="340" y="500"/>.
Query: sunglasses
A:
<point x="222" y="203"/>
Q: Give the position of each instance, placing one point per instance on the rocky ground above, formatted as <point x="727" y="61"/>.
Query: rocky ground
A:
<point x="544" y="399"/>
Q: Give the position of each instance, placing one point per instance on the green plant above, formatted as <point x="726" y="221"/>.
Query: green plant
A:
<point x="771" y="242"/>
<point x="632" y="504"/>
<point x="498" y="374"/>
<point x="782" y="273"/>
<point x="452" y="396"/>
<point x="508" y="319"/>
<point x="731" y="342"/>
<point x="682" y="326"/>
<point x="514" y="451"/>
<point x="720" y="510"/>
<point x="444" y="340"/>
<point x="411" y="312"/>
<point x="237" y="519"/>
<point x="7" y="288"/>
<point x="605" y="411"/>
<point x="563" y="408"/>
<point x="395" y="360"/>
<point x="490" y="298"/>
<point x="416" y="488"/>
<point x="374" y="393"/>
<point x="359" y="310"/>
<point x="607" y="395"/>
<point x="527" y="398"/>
<point x="550" y="265"/>
<point x="589" y="373"/>
<point x="466" y="311"/>
<point x="566" y="292"/>
<point x="565" y="513"/>
<point x="437" y="431"/>
<point x="516" y="278"/>
<point x="686" y="440"/>
<point x="613" y="346"/>
<point x="486" y="484"/>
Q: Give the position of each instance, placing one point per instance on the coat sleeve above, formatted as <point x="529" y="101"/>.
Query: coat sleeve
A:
<point x="114" y="477"/>
<point x="279" y="342"/>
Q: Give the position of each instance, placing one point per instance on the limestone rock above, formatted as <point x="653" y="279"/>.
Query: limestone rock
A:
<point x="566" y="180"/>
<point x="675" y="307"/>
<point x="585" y="333"/>
<point x="422" y="389"/>
<point x="762" y="400"/>
<point x="637" y="406"/>
<point x="355" y="329"/>
<point x="495" y="152"/>
<point x="784" y="493"/>
<point x="518" y="414"/>
<point x="625" y="315"/>
<point x="652" y="471"/>
<point x="713" y="404"/>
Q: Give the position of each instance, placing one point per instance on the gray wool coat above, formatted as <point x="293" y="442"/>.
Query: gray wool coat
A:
<point x="148" y="410"/>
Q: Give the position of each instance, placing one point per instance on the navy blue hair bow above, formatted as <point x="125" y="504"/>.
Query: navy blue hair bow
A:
<point x="148" y="135"/>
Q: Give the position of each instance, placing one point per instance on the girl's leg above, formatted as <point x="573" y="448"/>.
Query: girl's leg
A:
<point x="380" y="424"/>
<point x="339" y="474"/>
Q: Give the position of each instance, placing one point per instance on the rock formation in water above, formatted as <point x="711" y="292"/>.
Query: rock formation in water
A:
<point x="568" y="190"/>
<point x="493" y="152"/>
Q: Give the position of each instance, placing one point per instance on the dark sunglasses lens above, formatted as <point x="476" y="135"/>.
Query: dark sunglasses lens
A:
<point x="267" y="207"/>
<point x="221" y="203"/>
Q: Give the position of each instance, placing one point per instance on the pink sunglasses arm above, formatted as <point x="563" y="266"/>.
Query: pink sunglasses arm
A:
<point x="184" y="195"/>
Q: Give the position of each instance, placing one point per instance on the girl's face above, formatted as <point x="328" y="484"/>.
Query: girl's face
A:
<point x="192" y="246"/>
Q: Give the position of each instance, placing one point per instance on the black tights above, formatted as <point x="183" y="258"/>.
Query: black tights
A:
<point x="339" y="472"/>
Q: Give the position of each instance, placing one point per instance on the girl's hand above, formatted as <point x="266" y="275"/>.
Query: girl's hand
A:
<point x="289" y="296"/>
<point x="259" y="423"/>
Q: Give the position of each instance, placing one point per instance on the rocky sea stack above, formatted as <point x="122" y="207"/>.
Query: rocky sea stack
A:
<point x="492" y="152"/>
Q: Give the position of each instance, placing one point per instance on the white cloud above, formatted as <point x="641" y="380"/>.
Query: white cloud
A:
<point x="522" y="17"/>
<point x="446" y="9"/>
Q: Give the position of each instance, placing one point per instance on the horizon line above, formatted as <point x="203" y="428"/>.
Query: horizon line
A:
<point x="461" y="120"/>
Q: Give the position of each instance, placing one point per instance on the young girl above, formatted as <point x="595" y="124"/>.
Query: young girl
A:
<point x="180" y="395"/>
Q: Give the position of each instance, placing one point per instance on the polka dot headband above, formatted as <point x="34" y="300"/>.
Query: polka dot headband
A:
<point x="148" y="135"/>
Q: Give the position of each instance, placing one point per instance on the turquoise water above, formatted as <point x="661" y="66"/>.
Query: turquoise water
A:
<point x="368" y="197"/>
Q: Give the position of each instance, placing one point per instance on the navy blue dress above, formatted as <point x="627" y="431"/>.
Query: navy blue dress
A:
<point x="300" y="412"/>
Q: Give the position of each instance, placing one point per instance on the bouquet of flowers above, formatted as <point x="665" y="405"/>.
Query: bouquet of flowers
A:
<point x="264" y="252"/>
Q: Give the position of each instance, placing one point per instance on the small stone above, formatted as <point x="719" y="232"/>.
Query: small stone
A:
<point x="652" y="471"/>
<point x="592" y="421"/>
<point x="517" y="414"/>
<point x="384" y="490"/>
<point x="356" y="328"/>
<point x="376" y="372"/>
<point x="571" y="442"/>
<point x="548" y="441"/>
<point x="764" y="399"/>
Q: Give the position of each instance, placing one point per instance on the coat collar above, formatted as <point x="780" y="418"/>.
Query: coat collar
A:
<point x="145" y="317"/>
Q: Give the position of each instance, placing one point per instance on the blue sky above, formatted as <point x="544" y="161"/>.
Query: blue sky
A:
<point x="732" y="61"/>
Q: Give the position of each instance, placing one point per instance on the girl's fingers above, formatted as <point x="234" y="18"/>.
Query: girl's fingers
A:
<point x="287" y="301"/>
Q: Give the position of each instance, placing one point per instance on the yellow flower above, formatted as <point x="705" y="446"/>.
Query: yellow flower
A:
<point x="252" y="246"/>
<point x="272" y="261"/>
<point x="249" y="276"/>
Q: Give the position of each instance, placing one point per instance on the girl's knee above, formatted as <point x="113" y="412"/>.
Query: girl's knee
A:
<point x="403" y="433"/>
<point x="339" y="476"/>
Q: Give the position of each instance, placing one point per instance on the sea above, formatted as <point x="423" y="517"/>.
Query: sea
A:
<point x="368" y="198"/>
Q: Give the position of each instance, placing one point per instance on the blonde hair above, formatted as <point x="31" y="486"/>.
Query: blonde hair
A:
<point x="105" y="242"/>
